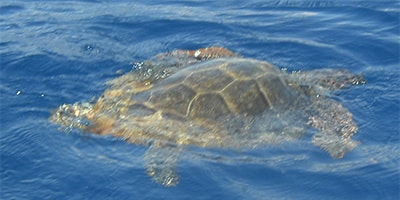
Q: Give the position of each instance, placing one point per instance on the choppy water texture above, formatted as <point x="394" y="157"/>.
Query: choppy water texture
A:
<point x="54" y="52"/>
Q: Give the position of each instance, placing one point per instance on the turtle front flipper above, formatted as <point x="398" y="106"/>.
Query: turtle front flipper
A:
<point x="161" y="161"/>
<point x="335" y="145"/>
<point x="335" y="126"/>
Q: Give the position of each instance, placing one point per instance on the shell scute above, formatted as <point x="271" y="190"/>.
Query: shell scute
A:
<point x="175" y="98"/>
<point x="209" y="106"/>
<point x="208" y="80"/>
<point x="245" y="96"/>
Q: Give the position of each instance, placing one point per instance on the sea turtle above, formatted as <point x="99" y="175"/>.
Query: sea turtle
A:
<point x="215" y="98"/>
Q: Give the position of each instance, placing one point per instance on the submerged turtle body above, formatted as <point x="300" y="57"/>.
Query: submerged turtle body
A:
<point x="214" y="99"/>
<point x="198" y="105"/>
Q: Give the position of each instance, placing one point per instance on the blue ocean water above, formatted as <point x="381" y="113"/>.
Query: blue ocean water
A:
<point x="55" y="52"/>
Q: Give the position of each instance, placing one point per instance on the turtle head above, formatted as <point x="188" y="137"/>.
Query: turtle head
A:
<point x="339" y="79"/>
<point x="323" y="81"/>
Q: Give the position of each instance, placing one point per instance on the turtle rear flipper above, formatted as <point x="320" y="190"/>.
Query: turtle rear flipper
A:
<point x="335" y="125"/>
<point x="161" y="161"/>
<point x="72" y="115"/>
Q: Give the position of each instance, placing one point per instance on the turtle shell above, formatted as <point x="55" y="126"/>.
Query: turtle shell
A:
<point x="218" y="88"/>
<point x="217" y="100"/>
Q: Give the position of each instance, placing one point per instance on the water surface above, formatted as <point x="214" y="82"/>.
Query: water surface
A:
<point x="54" y="52"/>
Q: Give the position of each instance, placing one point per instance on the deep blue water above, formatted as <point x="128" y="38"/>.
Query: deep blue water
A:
<point x="55" y="52"/>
